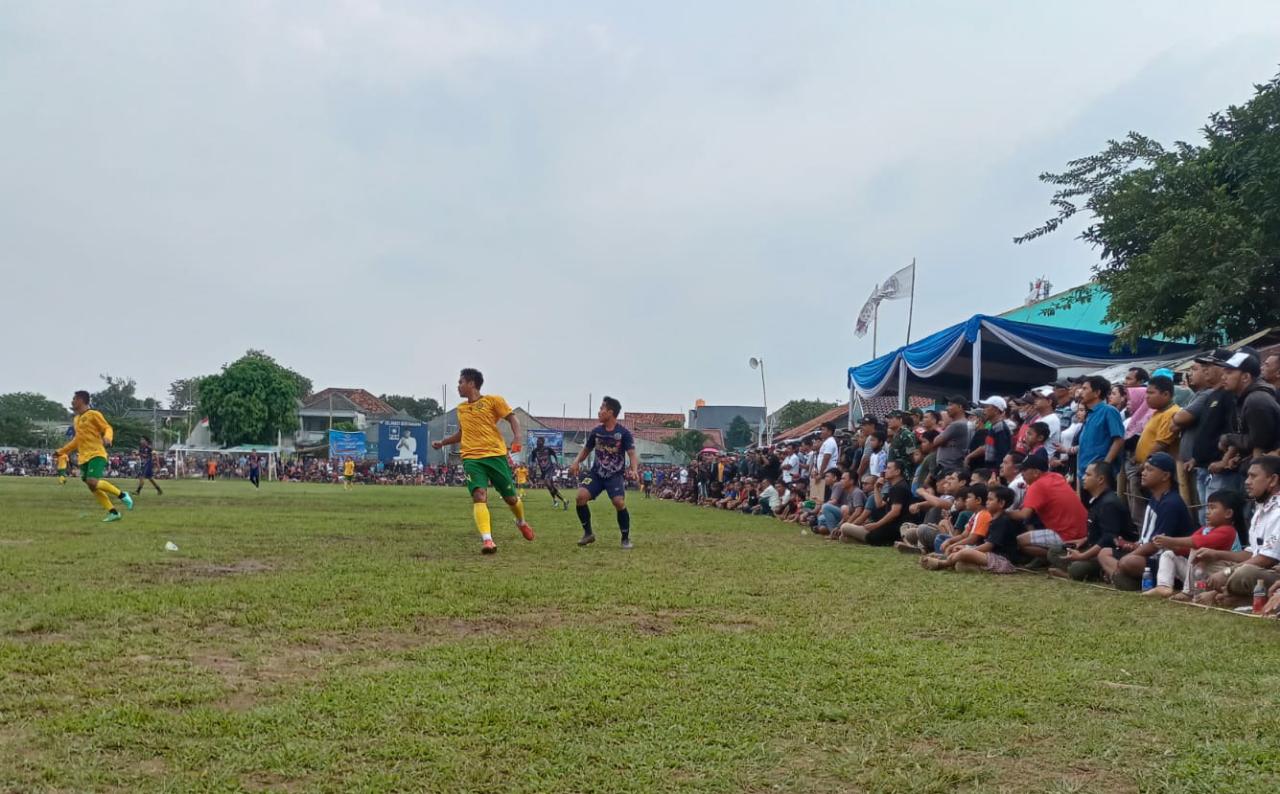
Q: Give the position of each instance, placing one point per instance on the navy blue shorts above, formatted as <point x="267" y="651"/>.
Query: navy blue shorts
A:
<point x="148" y="470"/>
<point x="615" y="486"/>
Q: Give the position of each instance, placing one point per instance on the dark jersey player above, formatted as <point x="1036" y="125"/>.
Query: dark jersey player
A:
<point x="615" y="453"/>
<point x="543" y="461"/>
<point x="255" y="470"/>
<point x="147" y="471"/>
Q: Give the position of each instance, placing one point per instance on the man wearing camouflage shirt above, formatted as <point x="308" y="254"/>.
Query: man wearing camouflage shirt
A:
<point x="902" y="442"/>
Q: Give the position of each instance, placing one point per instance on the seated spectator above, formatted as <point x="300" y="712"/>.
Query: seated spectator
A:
<point x="1165" y="514"/>
<point x="997" y="553"/>
<point x="889" y="511"/>
<point x="1053" y="504"/>
<point x="1233" y="586"/>
<point x="862" y="513"/>
<point x="968" y="529"/>
<point x="1181" y="558"/>
<point x="932" y="508"/>
<point x="770" y="499"/>
<point x="834" y="511"/>
<point x="1011" y="475"/>
<point x="1108" y="523"/>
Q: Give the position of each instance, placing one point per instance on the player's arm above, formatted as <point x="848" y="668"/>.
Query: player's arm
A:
<point x="514" y="421"/>
<point x="448" y="441"/>
<point x="108" y="433"/>
<point x="635" y="463"/>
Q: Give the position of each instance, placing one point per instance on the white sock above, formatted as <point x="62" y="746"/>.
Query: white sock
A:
<point x="486" y="536"/>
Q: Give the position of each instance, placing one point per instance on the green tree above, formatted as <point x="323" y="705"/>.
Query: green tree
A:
<point x="345" y="427"/>
<point x="739" y="433"/>
<point x="687" y="442"/>
<point x="184" y="393"/>
<point x="301" y="383"/>
<point x="421" y="408"/>
<point x="118" y="396"/>
<point x="1188" y="237"/>
<point x="250" y="401"/>
<point x="128" y="432"/>
<point x="32" y="406"/>
<point x="17" y="431"/>
<point x="797" y="412"/>
<point x="676" y="423"/>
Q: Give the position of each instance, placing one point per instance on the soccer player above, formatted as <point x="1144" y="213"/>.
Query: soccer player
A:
<point x="62" y="459"/>
<point x="148" y="470"/>
<point x="522" y="479"/>
<point x="545" y="461"/>
<point x="255" y="470"/>
<point x="348" y="473"/>
<point x="611" y="441"/>
<point x="484" y="454"/>
<point x="93" y="436"/>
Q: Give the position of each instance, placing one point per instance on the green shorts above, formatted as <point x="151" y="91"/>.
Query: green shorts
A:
<point x="62" y="471"/>
<point x="483" y="472"/>
<point x="93" y="469"/>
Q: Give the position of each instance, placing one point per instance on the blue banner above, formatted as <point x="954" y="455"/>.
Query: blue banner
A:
<point x="402" y="443"/>
<point x="551" y="438"/>
<point x="343" y="444"/>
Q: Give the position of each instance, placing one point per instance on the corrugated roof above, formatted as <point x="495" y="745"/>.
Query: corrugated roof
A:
<point x="643" y="419"/>
<point x="570" y="424"/>
<point x="366" y="402"/>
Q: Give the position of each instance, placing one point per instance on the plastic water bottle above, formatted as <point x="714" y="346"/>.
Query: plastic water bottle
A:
<point x="1259" y="597"/>
<point x="1148" y="579"/>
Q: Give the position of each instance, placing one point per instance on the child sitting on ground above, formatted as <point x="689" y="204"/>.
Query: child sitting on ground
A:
<point x="997" y="553"/>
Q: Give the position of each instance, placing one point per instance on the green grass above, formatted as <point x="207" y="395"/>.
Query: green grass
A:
<point x="303" y="638"/>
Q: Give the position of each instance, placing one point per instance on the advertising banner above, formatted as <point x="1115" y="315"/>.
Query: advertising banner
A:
<point x="343" y="444"/>
<point x="402" y="443"/>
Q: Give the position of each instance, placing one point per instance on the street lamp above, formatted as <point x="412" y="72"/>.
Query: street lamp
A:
<point x="758" y="363"/>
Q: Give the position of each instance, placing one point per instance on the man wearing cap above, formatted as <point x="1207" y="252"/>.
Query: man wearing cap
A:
<point x="1102" y="436"/>
<point x="952" y="444"/>
<point x="1159" y="434"/>
<point x="1257" y="430"/>
<point x="998" y="440"/>
<point x="1165" y="514"/>
<point x="902" y="442"/>
<point x="1204" y="420"/>
<point x="1052" y="502"/>
<point x="1063" y="406"/>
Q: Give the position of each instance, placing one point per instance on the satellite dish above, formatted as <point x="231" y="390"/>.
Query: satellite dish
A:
<point x="754" y="362"/>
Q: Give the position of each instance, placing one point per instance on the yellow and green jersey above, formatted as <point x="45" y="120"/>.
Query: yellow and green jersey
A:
<point x="349" y="468"/>
<point x="91" y="431"/>
<point x="478" y="422"/>
<point x="61" y="461"/>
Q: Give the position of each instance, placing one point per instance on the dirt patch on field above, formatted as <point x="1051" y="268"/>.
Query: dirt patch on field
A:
<point x="172" y="571"/>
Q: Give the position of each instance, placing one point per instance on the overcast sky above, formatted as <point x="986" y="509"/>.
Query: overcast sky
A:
<point x="577" y="199"/>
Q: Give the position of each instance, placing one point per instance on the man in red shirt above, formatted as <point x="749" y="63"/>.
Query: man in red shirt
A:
<point x="1054" y="502"/>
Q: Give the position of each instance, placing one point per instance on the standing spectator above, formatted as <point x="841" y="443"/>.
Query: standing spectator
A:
<point x="998" y="439"/>
<point x="1102" y="436"/>
<point x="1159" y="434"/>
<point x="828" y="455"/>
<point x="952" y="443"/>
<point x="1257" y="429"/>
<point x="1109" y="523"/>
<point x="902" y="442"/>
<point x="1234" y="585"/>
<point x="1165" y="514"/>
<point x="1063" y="405"/>
<point x="1270" y="372"/>
<point x="1209" y="415"/>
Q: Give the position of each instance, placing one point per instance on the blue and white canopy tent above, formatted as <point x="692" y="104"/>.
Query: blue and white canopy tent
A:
<point x="994" y="355"/>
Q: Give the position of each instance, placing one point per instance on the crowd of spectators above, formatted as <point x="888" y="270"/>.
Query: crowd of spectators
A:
<point x="1159" y="484"/>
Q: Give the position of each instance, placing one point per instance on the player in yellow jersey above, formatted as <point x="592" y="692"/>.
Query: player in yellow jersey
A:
<point x="522" y="479"/>
<point x="93" y="436"/>
<point x="62" y="459"/>
<point x="348" y="474"/>
<point x="484" y="454"/>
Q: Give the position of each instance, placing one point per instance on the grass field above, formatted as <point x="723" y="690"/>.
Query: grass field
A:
<point x="303" y="638"/>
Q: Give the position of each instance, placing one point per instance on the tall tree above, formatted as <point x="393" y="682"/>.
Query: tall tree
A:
<point x="797" y="412"/>
<point x="421" y="408"/>
<point x="687" y="442"/>
<point x="17" y="431"/>
<point x="118" y="396"/>
<point x="1188" y="237"/>
<point x="184" y="393"/>
<point x="301" y="383"/>
<point x="250" y="401"/>
<point x="32" y="406"/>
<point x="739" y="433"/>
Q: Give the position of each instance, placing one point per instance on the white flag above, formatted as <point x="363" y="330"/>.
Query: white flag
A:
<point x="900" y="284"/>
<point x="867" y="313"/>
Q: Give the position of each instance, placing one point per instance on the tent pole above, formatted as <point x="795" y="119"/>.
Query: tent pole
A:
<point x="853" y="398"/>
<point x="902" y="384"/>
<point x="977" y="367"/>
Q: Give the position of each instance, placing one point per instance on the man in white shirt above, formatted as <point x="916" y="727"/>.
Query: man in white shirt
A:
<point x="1043" y="404"/>
<point x="684" y="476"/>
<point x="1234" y="586"/>
<point x="790" y="465"/>
<point x="828" y="455"/>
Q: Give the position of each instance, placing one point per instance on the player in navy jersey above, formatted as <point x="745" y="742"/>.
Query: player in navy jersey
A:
<point x="255" y="470"/>
<point x="543" y="460"/>
<point x="148" y="469"/>
<point x="615" y="449"/>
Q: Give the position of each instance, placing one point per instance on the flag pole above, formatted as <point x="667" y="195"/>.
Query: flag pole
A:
<point x="875" y="328"/>
<point x="912" y="305"/>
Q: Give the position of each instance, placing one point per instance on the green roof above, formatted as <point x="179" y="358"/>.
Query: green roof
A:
<point x="1080" y="317"/>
